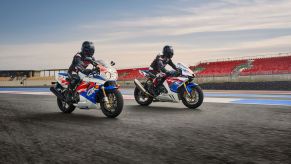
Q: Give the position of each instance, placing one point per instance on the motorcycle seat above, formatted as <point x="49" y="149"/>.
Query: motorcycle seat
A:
<point x="150" y="74"/>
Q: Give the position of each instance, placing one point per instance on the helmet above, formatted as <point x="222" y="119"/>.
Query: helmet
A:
<point x="87" y="49"/>
<point x="168" y="51"/>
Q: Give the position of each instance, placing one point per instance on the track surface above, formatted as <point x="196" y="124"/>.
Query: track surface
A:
<point x="33" y="130"/>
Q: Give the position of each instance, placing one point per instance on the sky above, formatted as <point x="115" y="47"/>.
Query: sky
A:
<point x="38" y="34"/>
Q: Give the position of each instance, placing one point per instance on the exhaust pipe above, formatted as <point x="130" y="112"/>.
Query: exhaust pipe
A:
<point x="140" y="87"/>
<point x="57" y="93"/>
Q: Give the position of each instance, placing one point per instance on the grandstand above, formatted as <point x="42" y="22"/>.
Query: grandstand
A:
<point x="220" y="68"/>
<point x="274" y="65"/>
<point x="130" y="74"/>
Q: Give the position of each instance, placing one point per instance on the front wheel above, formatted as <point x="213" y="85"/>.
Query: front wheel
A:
<point x="114" y="106"/>
<point x="65" y="107"/>
<point x="194" y="100"/>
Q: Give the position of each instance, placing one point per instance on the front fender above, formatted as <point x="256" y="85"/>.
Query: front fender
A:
<point x="189" y="86"/>
<point x="110" y="85"/>
<point x="110" y="88"/>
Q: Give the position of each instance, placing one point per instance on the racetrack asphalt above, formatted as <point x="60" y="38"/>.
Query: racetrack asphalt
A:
<point x="33" y="130"/>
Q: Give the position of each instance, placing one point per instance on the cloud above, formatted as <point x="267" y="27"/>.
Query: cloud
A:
<point x="127" y="41"/>
<point x="214" y="17"/>
<point x="59" y="55"/>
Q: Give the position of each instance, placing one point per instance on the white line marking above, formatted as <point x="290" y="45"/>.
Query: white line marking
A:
<point x="27" y="93"/>
<point x="131" y="97"/>
<point x="128" y="97"/>
<point x="219" y="100"/>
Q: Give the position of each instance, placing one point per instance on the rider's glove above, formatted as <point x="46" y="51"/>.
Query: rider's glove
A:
<point x="178" y="72"/>
<point x="97" y="69"/>
<point x="169" y="73"/>
<point x="87" y="71"/>
<point x="94" y="63"/>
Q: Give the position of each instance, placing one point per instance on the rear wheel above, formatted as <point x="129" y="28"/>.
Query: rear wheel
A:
<point x="141" y="98"/>
<point x="194" y="100"/>
<point x="65" y="107"/>
<point x="114" y="105"/>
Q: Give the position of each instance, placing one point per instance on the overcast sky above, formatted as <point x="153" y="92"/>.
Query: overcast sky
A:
<point x="38" y="34"/>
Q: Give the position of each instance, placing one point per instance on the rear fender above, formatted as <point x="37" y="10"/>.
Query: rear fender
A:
<point x="147" y="74"/>
<point x="143" y="73"/>
<point x="62" y="79"/>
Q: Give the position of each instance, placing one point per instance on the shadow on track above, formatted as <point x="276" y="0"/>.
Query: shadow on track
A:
<point x="152" y="108"/>
<point x="62" y="117"/>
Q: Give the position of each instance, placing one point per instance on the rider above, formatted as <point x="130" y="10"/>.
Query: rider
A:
<point x="79" y="64"/>
<point x="158" y="68"/>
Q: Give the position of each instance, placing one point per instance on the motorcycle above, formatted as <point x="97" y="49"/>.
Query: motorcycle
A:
<point x="99" y="86"/>
<point x="173" y="90"/>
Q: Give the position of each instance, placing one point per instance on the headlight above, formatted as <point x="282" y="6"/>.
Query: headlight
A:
<point x="190" y="78"/>
<point x="108" y="75"/>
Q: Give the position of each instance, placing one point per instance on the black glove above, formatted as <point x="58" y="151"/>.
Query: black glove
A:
<point x="169" y="73"/>
<point x="97" y="70"/>
<point x="94" y="63"/>
<point x="87" y="71"/>
<point x="178" y="72"/>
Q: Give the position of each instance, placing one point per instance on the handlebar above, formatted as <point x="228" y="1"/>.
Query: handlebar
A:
<point x="96" y="70"/>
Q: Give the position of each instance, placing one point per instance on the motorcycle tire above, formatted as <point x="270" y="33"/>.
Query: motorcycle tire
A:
<point x="137" y="94"/>
<point x="197" y="103"/>
<point x="65" y="107"/>
<point x="118" y="108"/>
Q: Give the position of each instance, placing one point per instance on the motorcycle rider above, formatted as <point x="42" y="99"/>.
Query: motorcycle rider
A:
<point x="79" y="64"/>
<point x="157" y="68"/>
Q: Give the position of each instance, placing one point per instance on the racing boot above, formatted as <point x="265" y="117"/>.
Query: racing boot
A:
<point x="157" y="90"/>
<point x="69" y="97"/>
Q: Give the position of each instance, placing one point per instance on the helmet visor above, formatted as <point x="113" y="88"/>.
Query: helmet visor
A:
<point x="171" y="55"/>
<point x="88" y="52"/>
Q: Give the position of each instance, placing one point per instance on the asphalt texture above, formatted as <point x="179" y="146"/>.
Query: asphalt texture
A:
<point x="33" y="130"/>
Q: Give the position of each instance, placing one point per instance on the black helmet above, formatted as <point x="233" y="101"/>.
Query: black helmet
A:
<point x="168" y="51"/>
<point x="87" y="49"/>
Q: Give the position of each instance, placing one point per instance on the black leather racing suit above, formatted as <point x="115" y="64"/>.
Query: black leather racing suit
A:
<point x="158" y="66"/>
<point x="79" y="64"/>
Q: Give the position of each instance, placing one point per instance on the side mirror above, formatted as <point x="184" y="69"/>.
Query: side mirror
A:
<point x="112" y="63"/>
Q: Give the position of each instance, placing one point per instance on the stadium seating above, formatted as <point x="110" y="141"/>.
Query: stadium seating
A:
<point x="273" y="65"/>
<point x="220" y="68"/>
<point x="130" y="74"/>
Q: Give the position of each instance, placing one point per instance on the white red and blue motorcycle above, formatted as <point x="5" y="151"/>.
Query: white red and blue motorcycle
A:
<point x="174" y="89"/>
<point x="98" y="87"/>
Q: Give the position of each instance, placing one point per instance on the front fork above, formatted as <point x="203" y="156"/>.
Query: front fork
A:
<point x="185" y="86"/>
<point x="188" y="87"/>
<point x="104" y="94"/>
<point x="105" y="97"/>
